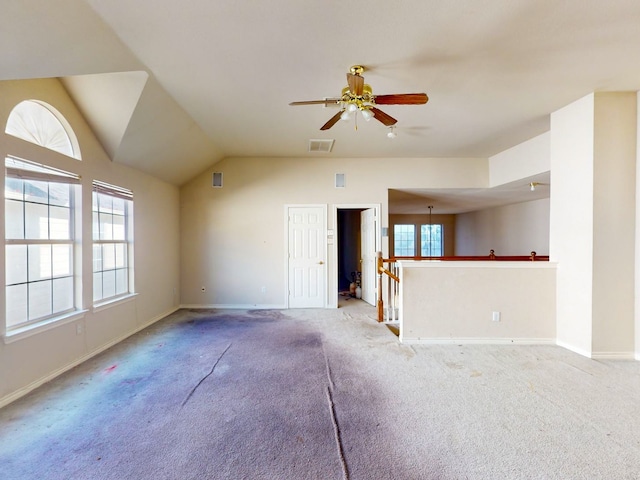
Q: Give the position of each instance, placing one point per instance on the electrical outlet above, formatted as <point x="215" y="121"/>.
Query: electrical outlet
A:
<point x="264" y="289"/>
<point x="496" y="316"/>
<point x="79" y="329"/>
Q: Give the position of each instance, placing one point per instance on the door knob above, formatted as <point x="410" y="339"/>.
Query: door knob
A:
<point x="320" y="262"/>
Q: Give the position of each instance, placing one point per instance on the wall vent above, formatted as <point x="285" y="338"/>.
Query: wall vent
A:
<point x="320" y="146"/>
<point x="217" y="180"/>
<point x="341" y="181"/>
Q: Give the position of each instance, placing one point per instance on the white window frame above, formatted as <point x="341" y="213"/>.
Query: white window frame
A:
<point x="431" y="254"/>
<point x="100" y="241"/>
<point x="31" y="171"/>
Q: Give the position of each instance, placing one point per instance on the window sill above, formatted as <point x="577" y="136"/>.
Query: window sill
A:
<point x="97" y="307"/>
<point x="48" y="324"/>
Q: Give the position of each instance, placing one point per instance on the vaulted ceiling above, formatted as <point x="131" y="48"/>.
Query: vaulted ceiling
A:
<point x="172" y="87"/>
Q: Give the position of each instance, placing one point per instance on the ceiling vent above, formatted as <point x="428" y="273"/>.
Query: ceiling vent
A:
<point x="320" y="146"/>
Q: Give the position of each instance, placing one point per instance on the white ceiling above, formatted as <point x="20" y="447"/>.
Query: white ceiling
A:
<point x="220" y="74"/>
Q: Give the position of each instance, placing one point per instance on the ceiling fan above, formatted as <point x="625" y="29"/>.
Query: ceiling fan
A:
<point x="357" y="97"/>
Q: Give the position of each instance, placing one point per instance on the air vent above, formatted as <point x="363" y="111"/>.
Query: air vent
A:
<point x="217" y="179"/>
<point x="320" y="146"/>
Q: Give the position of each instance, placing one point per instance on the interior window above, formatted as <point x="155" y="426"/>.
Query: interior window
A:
<point x="112" y="245"/>
<point x="39" y="242"/>
<point x="404" y="237"/>
<point x="431" y="240"/>
<point x="34" y="122"/>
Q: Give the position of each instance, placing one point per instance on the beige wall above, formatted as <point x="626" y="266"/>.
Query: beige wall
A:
<point x="514" y="229"/>
<point x="26" y="362"/>
<point x="614" y="214"/>
<point x="233" y="238"/>
<point x="446" y="302"/>
<point x="593" y="159"/>
<point x="520" y="161"/>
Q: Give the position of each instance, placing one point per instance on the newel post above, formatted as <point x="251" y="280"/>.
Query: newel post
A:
<point x="379" y="267"/>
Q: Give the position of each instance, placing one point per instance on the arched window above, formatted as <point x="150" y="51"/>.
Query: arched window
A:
<point x="43" y="125"/>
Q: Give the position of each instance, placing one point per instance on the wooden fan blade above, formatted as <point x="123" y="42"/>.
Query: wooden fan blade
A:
<point x="379" y="115"/>
<point x="402" y="99"/>
<point x="332" y="121"/>
<point x="356" y="83"/>
<point x="327" y="102"/>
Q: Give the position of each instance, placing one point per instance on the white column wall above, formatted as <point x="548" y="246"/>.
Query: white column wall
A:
<point x="571" y="221"/>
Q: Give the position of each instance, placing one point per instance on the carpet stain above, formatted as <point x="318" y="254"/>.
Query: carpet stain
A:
<point x="206" y="376"/>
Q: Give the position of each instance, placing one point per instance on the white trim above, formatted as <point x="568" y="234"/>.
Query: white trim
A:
<point x="333" y="267"/>
<point x="47" y="378"/>
<point x="613" y="356"/>
<point x="476" y="341"/>
<point x="97" y="307"/>
<point x="231" y="306"/>
<point x="39" y="327"/>
<point x="577" y="350"/>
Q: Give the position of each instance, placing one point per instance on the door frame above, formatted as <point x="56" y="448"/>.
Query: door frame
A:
<point x="333" y="244"/>
<point x="323" y="206"/>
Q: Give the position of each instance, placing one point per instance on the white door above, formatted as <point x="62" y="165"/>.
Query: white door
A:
<point x="368" y="254"/>
<point x="307" y="257"/>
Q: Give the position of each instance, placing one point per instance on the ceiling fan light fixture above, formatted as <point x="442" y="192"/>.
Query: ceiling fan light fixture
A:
<point x="345" y="115"/>
<point x="366" y="114"/>
<point x="392" y="133"/>
<point x="352" y="107"/>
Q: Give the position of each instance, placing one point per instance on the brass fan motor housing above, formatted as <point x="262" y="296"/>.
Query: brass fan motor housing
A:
<point x="357" y="70"/>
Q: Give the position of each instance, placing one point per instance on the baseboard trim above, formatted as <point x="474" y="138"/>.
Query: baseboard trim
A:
<point x="231" y="306"/>
<point x="613" y="356"/>
<point x="477" y="341"/>
<point x="574" y="349"/>
<point x="12" y="397"/>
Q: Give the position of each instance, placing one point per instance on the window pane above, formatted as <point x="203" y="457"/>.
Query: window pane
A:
<point x="60" y="223"/>
<point x="97" y="286"/>
<point x="106" y="226"/>
<point x="37" y="221"/>
<point x="431" y="241"/>
<point x="39" y="299"/>
<point x="16" y="305"/>
<point x="118" y="228"/>
<point x="16" y="264"/>
<point x="59" y="194"/>
<point x="118" y="206"/>
<point x="108" y="256"/>
<point x="36" y="191"/>
<point x="97" y="258"/>
<point x="61" y="260"/>
<point x="404" y="240"/>
<point x="14" y="219"/>
<point x="105" y="203"/>
<point x="121" y="281"/>
<point x="62" y="294"/>
<point x="13" y="188"/>
<point x="39" y="262"/>
<point x="96" y="226"/>
<point x="35" y="123"/>
<point x="121" y="257"/>
<point x="109" y="283"/>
